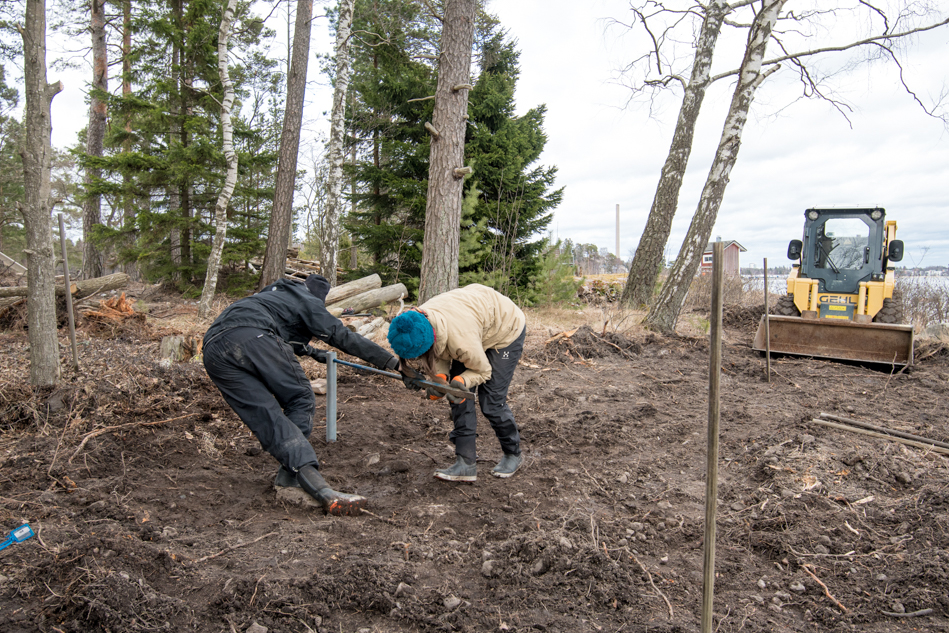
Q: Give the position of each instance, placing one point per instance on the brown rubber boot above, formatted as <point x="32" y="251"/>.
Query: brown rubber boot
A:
<point x="335" y="503"/>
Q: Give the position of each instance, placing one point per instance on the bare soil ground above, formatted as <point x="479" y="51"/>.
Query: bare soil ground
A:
<point x="154" y="509"/>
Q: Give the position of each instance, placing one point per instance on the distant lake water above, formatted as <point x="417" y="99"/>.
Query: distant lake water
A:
<point x="778" y="283"/>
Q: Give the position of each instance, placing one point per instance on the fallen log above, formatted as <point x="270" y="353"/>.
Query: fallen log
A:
<point x="81" y="288"/>
<point x="370" y="299"/>
<point x="351" y="289"/>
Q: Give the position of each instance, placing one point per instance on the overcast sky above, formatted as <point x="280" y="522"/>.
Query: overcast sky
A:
<point x="795" y="154"/>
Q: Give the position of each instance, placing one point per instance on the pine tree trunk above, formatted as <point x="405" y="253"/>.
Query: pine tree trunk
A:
<point x="278" y="236"/>
<point x="95" y="135"/>
<point x="647" y="262"/>
<point x="37" y="156"/>
<point x="665" y="312"/>
<point x="443" y="210"/>
<point x="227" y="132"/>
<point x="334" y="180"/>
<point x="128" y="208"/>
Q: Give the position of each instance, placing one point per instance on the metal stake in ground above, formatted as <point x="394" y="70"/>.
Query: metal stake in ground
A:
<point x="767" y="323"/>
<point x="714" y="411"/>
<point x="330" y="396"/>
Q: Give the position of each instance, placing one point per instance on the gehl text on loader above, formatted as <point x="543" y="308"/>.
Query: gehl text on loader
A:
<point x="840" y="301"/>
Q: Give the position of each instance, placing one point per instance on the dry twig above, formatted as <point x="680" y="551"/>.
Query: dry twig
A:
<point x="234" y="547"/>
<point x="826" y="590"/>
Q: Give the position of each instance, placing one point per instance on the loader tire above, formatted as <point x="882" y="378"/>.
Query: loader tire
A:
<point x="891" y="312"/>
<point x="785" y="307"/>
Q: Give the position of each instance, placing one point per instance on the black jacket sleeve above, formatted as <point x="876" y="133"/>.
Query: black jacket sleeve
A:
<point x="331" y="330"/>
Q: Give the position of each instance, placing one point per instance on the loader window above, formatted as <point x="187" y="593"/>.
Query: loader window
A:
<point x="842" y="243"/>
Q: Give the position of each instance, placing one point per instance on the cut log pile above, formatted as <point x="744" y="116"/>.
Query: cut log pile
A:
<point x="296" y="268"/>
<point x="363" y="294"/>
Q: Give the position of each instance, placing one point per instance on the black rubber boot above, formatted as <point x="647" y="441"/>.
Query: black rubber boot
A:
<point x="285" y="479"/>
<point x="462" y="470"/>
<point x="336" y="503"/>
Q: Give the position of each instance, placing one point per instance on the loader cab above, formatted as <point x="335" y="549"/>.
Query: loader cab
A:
<point x="841" y="248"/>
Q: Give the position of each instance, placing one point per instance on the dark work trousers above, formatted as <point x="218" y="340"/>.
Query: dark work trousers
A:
<point x="259" y="376"/>
<point x="492" y="396"/>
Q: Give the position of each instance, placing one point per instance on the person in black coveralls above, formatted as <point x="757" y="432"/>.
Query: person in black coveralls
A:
<point x="249" y="355"/>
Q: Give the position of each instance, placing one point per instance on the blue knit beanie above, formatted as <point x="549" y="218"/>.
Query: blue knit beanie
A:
<point x="411" y="335"/>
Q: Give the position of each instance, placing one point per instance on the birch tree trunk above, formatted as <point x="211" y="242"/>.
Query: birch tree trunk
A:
<point x="95" y="135"/>
<point x="647" y="262"/>
<point x="278" y="236"/>
<point x="227" y="133"/>
<point x="334" y="180"/>
<point x="445" y="183"/>
<point x="665" y="312"/>
<point x="37" y="207"/>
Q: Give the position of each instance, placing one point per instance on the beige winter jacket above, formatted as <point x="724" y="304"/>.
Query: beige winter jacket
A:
<point x="467" y="321"/>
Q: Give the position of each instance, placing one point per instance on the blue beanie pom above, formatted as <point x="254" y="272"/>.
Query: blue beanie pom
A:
<point x="411" y="335"/>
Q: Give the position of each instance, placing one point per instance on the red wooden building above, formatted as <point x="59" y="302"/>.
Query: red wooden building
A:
<point x="731" y="253"/>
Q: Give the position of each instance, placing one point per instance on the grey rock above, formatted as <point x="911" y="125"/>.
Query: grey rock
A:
<point x="404" y="590"/>
<point x="820" y="548"/>
<point x="539" y="567"/>
<point x="798" y="587"/>
<point x="256" y="628"/>
<point x="761" y="583"/>
<point x="451" y="603"/>
<point x="489" y="568"/>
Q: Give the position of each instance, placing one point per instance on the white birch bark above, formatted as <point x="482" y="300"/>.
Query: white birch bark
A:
<point x="665" y="312"/>
<point x="334" y="181"/>
<point x="649" y="254"/>
<point x="227" y="133"/>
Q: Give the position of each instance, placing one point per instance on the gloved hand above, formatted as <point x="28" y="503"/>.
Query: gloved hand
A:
<point x="433" y="393"/>
<point x="459" y="382"/>
<point x="409" y="375"/>
<point x="316" y="354"/>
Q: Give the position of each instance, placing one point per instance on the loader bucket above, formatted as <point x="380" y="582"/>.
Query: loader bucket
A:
<point x="837" y="339"/>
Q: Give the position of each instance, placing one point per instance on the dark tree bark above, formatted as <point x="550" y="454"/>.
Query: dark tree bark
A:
<point x="37" y="207"/>
<point x="665" y="312"/>
<point x="445" y="182"/>
<point x="647" y="262"/>
<point x="278" y="236"/>
<point x="128" y="208"/>
<point x="95" y="135"/>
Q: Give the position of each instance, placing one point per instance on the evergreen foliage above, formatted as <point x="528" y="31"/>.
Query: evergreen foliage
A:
<point x="164" y="162"/>
<point x="508" y="199"/>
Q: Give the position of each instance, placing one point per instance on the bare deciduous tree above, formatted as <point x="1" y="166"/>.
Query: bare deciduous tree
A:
<point x="881" y="43"/>
<point x="230" y="180"/>
<point x="665" y="312"/>
<point x="446" y="172"/>
<point x="335" y="157"/>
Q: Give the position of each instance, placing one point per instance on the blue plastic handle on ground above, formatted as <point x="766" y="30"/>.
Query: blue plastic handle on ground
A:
<point x="17" y="536"/>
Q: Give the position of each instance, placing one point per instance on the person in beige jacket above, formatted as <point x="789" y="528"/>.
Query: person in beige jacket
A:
<point x="473" y="337"/>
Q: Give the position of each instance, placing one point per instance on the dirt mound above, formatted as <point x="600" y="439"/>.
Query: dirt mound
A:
<point x="742" y="318"/>
<point x="583" y="343"/>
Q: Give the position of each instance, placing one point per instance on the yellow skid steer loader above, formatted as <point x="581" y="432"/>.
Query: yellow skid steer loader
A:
<point x="839" y="302"/>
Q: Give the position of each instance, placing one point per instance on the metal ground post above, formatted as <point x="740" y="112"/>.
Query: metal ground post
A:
<point x="330" y="396"/>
